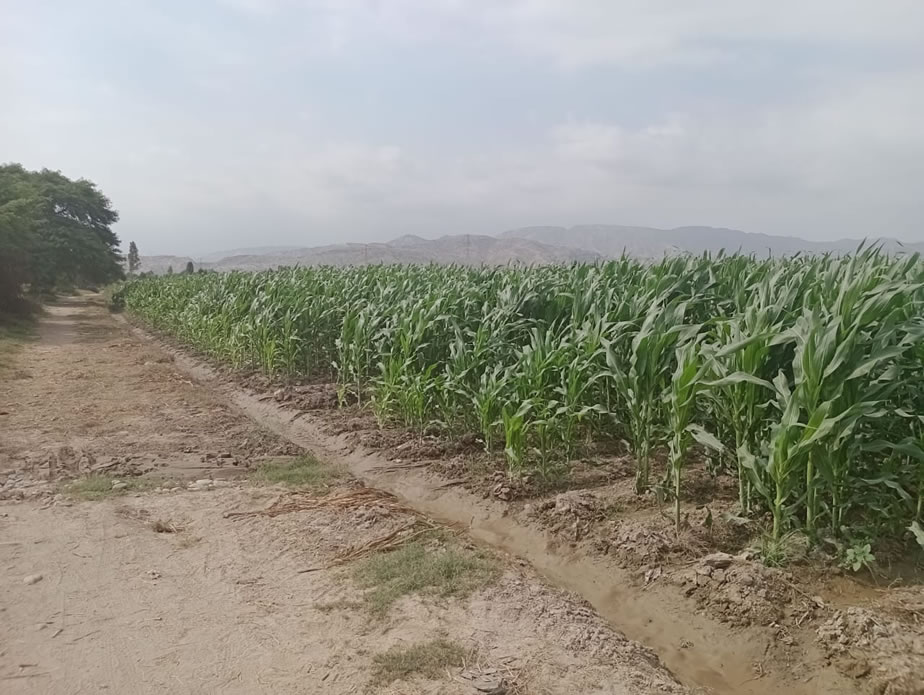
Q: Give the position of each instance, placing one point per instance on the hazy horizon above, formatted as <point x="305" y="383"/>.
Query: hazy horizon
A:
<point x="216" y="254"/>
<point x="247" y="123"/>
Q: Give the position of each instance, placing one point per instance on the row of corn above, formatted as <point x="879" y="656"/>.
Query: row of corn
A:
<point x="802" y="377"/>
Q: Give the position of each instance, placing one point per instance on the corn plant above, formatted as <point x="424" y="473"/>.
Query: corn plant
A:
<point x="514" y="423"/>
<point x="640" y="376"/>
<point x="810" y="370"/>
<point x="689" y="380"/>
<point x="749" y="349"/>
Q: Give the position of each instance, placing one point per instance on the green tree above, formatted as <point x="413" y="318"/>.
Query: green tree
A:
<point x="189" y="268"/>
<point x="169" y="270"/>
<point x="53" y="230"/>
<point x="16" y="243"/>
<point x="134" y="261"/>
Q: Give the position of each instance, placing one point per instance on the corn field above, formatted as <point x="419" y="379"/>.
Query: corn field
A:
<point x="801" y="377"/>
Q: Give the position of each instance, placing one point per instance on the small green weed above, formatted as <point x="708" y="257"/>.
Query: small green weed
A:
<point x="301" y="471"/>
<point x="779" y="552"/>
<point x="98" y="486"/>
<point x="858" y="556"/>
<point x="427" y="659"/>
<point x="420" y="567"/>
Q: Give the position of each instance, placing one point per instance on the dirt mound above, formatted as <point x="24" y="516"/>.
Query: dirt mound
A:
<point x="578" y="504"/>
<point x="740" y="591"/>
<point x="305" y="396"/>
<point x="866" y="644"/>
<point x="381" y="439"/>
<point x="342" y="421"/>
<point x="571" y="622"/>
<point x="419" y="449"/>
<point x="571" y="514"/>
<point x="638" y="544"/>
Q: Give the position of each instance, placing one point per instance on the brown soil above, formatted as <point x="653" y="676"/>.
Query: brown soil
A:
<point x="882" y="642"/>
<point x="759" y="629"/>
<point x="90" y="397"/>
<point x="169" y="591"/>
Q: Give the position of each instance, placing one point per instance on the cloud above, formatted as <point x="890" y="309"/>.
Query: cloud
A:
<point x="848" y="163"/>
<point x="238" y="122"/>
<point x="627" y="33"/>
<point x="636" y="33"/>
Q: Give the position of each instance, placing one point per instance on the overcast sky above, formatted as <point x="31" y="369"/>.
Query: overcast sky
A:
<point x="215" y="124"/>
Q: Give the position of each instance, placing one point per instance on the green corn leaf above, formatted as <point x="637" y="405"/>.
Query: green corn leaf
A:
<point x="870" y="364"/>
<point x="909" y="446"/>
<point x="705" y="438"/>
<point x="738" y="378"/>
<point x="752" y="466"/>
<point x="918" y="532"/>
<point x="891" y="484"/>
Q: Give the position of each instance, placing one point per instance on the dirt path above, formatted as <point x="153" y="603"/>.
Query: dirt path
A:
<point x="89" y="387"/>
<point x="94" y="600"/>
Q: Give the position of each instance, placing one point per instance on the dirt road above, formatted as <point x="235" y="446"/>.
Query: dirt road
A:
<point x="94" y="599"/>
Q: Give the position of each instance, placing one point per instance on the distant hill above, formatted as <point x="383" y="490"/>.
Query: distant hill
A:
<point x="650" y="242"/>
<point x="249" y="251"/>
<point x="528" y="245"/>
<point x="159" y="264"/>
<point x="468" y="249"/>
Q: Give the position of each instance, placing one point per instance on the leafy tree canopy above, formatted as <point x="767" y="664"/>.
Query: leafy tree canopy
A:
<point x="53" y="230"/>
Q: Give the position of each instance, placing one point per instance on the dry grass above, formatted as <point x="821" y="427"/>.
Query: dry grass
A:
<point x="417" y="557"/>
<point x="428" y="659"/>
<point x="304" y="471"/>
<point x="436" y="567"/>
<point x="392" y="540"/>
<point x="351" y="499"/>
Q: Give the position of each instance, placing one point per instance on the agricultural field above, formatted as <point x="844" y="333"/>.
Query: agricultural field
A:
<point x="698" y="476"/>
<point x="801" y="380"/>
<point x="712" y="449"/>
<point x="155" y="539"/>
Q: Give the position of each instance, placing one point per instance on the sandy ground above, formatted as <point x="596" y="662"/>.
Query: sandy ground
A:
<point x="222" y="605"/>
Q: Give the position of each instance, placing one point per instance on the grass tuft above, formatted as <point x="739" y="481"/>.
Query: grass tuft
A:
<point x="427" y="659"/>
<point x="302" y="471"/>
<point x="419" y="567"/>
<point x="98" y="486"/>
<point x="780" y="552"/>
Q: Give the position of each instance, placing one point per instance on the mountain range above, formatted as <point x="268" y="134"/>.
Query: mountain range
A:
<point x="527" y="245"/>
